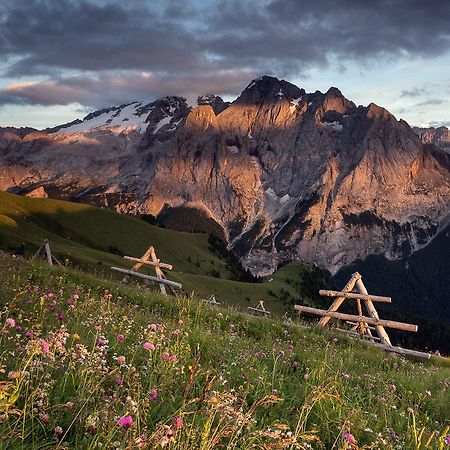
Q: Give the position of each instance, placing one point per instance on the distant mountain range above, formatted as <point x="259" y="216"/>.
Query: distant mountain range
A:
<point x="284" y="174"/>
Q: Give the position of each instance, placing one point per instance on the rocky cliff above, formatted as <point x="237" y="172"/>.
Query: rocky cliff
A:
<point x="286" y="174"/>
<point x="439" y="136"/>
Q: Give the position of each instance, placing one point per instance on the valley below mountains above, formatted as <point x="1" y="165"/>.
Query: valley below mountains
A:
<point x="283" y="174"/>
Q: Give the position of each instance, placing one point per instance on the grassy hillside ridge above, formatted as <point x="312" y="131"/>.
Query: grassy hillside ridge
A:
<point x="87" y="363"/>
<point x="95" y="239"/>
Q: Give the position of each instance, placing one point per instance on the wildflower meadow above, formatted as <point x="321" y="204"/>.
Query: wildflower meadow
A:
<point x="86" y="364"/>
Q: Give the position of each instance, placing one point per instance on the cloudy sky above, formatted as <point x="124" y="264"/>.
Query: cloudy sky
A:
<point x="60" y="59"/>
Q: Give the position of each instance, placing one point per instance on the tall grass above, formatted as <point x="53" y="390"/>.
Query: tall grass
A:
<point x="88" y="364"/>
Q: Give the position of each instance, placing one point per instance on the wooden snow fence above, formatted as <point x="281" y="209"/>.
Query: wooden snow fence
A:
<point x="362" y="326"/>
<point x="45" y="251"/>
<point x="259" y="309"/>
<point x="149" y="258"/>
<point x="212" y="300"/>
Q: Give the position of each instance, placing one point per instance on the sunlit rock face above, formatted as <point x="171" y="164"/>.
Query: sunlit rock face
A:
<point x="287" y="174"/>
<point x="439" y="136"/>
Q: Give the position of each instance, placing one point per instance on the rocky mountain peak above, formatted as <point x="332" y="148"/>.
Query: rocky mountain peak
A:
<point x="201" y="118"/>
<point x="217" y="103"/>
<point x="377" y="112"/>
<point x="269" y="88"/>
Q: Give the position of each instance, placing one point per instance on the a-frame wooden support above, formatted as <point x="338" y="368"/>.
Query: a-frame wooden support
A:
<point x="45" y="251"/>
<point x="361" y="324"/>
<point x="259" y="309"/>
<point x="149" y="258"/>
<point x="212" y="300"/>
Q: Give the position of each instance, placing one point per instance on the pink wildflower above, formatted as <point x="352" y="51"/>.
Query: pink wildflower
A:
<point x="153" y="395"/>
<point x="148" y="346"/>
<point x="180" y="322"/>
<point x="177" y="331"/>
<point x="29" y="334"/>
<point x="120" y="337"/>
<point x="121" y="359"/>
<point x="173" y="358"/>
<point x="447" y="439"/>
<point x="118" y="381"/>
<point x="153" y="326"/>
<point x="393" y="387"/>
<point x="125" y="421"/>
<point x="101" y="342"/>
<point x="348" y="437"/>
<point x="11" y="322"/>
<point x="45" y="347"/>
<point x="61" y="315"/>
<point x="345" y="376"/>
<point x="178" y="422"/>
<point x="18" y="328"/>
<point x="166" y="356"/>
<point x="49" y="294"/>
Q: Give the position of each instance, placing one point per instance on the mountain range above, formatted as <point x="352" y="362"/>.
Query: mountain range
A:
<point x="283" y="174"/>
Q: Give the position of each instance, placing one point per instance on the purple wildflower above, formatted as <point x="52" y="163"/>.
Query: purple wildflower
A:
<point x="125" y="421"/>
<point x="153" y="395"/>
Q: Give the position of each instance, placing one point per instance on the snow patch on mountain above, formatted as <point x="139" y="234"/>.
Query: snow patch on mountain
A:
<point x="122" y="118"/>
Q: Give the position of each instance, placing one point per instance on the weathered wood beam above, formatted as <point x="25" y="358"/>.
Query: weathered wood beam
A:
<point x="402" y="351"/>
<point x="149" y="263"/>
<point x="262" y="311"/>
<point x="373" y="313"/>
<point x="369" y="320"/>
<point x="338" y="301"/>
<point x="148" y="277"/>
<point x="48" y="253"/>
<point x="355" y="296"/>
<point x="355" y="334"/>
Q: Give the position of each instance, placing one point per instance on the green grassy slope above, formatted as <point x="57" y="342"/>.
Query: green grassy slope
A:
<point x="94" y="239"/>
<point x="87" y="363"/>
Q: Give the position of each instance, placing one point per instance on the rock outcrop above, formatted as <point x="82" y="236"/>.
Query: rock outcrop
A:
<point x="286" y="174"/>
<point x="439" y="136"/>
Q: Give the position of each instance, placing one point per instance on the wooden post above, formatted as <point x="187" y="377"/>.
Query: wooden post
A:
<point x="140" y="263"/>
<point x="48" y="253"/>
<point x="158" y="271"/>
<point x="373" y="313"/>
<point x="338" y="301"/>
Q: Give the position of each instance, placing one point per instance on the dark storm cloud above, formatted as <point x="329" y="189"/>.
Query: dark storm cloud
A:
<point x="187" y="44"/>
<point x="118" y="88"/>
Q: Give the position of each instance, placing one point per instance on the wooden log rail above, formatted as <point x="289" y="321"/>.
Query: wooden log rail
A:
<point x="368" y="320"/>
<point x="149" y="263"/>
<point x="355" y="296"/>
<point x="148" y="277"/>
